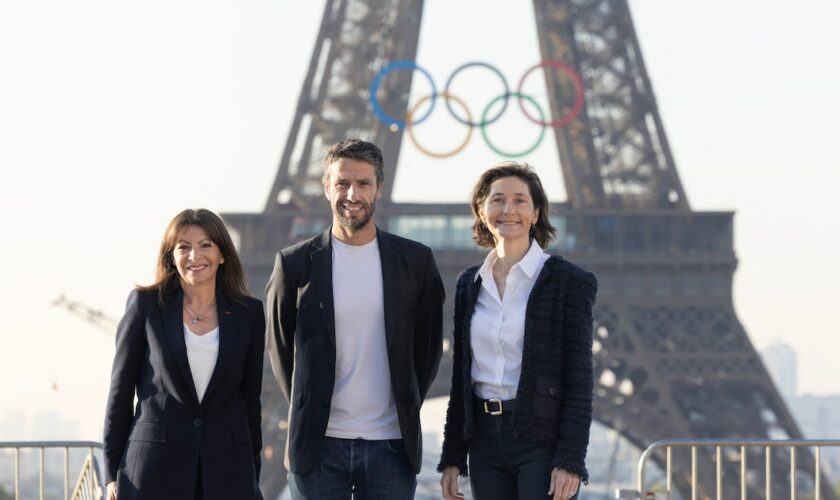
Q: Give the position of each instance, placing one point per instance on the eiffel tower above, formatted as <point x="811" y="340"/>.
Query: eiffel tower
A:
<point x="671" y="358"/>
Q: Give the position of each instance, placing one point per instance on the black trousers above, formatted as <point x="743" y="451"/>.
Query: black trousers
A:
<point x="503" y="467"/>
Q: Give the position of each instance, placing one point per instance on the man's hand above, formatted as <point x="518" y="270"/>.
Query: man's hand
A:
<point x="111" y="491"/>
<point x="563" y="484"/>
<point x="449" y="483"/>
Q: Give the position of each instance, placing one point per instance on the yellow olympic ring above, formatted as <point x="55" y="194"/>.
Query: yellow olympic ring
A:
<point x="410" y="128"/>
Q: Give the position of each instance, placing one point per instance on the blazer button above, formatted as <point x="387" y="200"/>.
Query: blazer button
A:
<point x="552" y="391"/>
<point x="332" y="366"/>
<point x="197" y="422"/>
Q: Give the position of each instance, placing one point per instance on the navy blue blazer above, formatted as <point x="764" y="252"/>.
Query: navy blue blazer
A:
<point x="153" y="450"/>
<point x="301" y="338"/>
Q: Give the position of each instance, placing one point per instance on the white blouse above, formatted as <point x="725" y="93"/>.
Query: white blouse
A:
<point x="497" y="329"/>
<point x="202" y="352"/>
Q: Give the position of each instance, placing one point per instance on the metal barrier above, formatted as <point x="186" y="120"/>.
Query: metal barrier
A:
<point x="88" y="486"/>
<point x="719" y="445"/>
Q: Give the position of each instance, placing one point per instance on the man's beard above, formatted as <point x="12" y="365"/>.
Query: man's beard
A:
<point x="354" y="224"/>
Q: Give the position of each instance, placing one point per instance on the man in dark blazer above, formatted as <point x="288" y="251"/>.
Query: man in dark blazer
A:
<point x="354" y="338"/>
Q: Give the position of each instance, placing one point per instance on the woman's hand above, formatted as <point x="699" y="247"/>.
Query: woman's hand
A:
<point x="563" y="484"/>
<point x="111" y="491"/>
<point x="449" y="483"/>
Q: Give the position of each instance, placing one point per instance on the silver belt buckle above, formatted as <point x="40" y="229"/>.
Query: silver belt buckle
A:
<point x="498" y="402"/>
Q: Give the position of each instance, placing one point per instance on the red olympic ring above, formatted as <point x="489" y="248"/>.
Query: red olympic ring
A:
<point x="577" y="83"/>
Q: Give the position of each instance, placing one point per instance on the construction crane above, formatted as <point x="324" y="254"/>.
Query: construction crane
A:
<point x="92" y="315"/>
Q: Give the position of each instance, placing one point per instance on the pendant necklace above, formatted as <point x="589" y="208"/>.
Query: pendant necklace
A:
<point x="194" y="318"/>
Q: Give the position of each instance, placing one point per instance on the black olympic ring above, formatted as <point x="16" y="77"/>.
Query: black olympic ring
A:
<point x="483" y="65"/>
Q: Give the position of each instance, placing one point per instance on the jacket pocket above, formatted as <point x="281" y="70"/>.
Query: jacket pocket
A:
<point x="155" y="433"/>
<point x="548" y="398"/>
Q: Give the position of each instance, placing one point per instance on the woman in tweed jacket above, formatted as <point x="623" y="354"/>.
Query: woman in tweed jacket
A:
<point x="520" y="406"/>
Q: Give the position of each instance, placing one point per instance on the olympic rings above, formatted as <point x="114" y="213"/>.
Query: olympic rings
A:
<point x="484" y="128"/>
<point x="491" y="68"/>
<point x="410" y="128"/>
<point x="395" y="124"/>
<point x="377" y="81"/>
<point x="577" y="83"/>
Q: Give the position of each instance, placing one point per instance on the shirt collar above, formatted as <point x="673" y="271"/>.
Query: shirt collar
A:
<point x="532" y="261"/>
<point x="486" y="269"/>
<point x="529" y="264"/>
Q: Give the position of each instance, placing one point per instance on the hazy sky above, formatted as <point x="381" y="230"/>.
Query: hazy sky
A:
<point x="116" y="115"/>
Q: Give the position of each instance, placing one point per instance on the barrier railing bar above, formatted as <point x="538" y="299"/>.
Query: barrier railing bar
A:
<point x="668" y="468"/>
<point x="66" y="473"/>
<point x="93" y="474"/>
<point x="693" y="473"/>
<point x="684" y="443"/>
<point x="718" y="473"/>
<point x="50" y="444"/>
<point x="817" y="470"/>
<point x="41" y="474"/>
<point x="743" y="472"/>
<point x="17" y="473"/>
<point x="792" y="473"/>
<point x="768" y="474"/>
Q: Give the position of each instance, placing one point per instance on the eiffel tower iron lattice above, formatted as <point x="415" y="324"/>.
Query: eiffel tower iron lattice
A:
<point x="671" y="358"/>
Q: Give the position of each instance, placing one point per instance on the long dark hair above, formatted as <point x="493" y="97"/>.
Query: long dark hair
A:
<point x="542" y="231"/>
<point x="230" y="278"/>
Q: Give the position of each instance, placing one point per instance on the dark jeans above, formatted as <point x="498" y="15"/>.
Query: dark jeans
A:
<point x="363" y="470"/>
<point x="503" y="467"/>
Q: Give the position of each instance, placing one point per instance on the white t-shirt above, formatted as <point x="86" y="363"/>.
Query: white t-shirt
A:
<point x="202" y="352"/>
<point x="362" y="402"/>
<point x="497" y="330"/>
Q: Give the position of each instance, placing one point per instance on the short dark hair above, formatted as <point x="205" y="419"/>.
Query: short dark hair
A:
<point x="542" y="231"/>
<point x="230" y="277"/>
<point x="356" y="149"/>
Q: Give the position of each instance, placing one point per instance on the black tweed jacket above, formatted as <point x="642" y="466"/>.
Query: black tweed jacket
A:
<point x="554" y="398"/>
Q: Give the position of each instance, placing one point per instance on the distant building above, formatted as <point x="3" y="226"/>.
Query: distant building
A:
<point x="12" y="425"/>
<point x="819" y="418"/>
<point x="51" y="424"/>
<point x="780" y="360"/>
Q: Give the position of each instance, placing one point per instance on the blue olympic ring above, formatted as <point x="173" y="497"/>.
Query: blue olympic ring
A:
<point x="377" y="81"/>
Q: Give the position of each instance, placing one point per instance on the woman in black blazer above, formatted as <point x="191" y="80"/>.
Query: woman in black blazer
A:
<point x="191" y="347"/>
<point x="521" y="400"/>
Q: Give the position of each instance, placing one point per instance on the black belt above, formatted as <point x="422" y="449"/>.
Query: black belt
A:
<point x="495" y="406"/>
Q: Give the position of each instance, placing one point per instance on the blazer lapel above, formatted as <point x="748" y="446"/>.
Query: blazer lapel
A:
<point x="322" y="279"/>
<point x="173" y="323"/>
<point x="227" y="336"/>
<point x="473" y="288"/>
<point x="390" y="259"/>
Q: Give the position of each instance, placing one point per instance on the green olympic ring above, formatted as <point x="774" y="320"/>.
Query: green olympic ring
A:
<point x="484" y="124"/>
